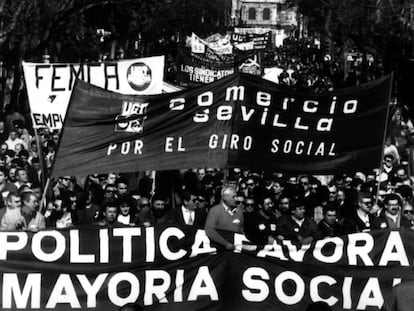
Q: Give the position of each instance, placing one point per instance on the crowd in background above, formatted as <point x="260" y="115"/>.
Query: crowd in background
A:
<point x="269" y="205"/>
<point x="306" y="66"/>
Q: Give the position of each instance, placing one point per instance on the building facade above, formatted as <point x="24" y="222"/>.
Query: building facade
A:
<point x="273" y="14"/>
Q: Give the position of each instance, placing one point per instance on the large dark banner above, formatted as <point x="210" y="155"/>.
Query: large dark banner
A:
<point x="176" y="268"/>
<point x="238" y="121"/>
<point x="196" y="69"/>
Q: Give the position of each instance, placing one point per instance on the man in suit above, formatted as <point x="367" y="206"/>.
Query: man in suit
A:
<point x="360" y="219"/>
<point x="188" y="213"/>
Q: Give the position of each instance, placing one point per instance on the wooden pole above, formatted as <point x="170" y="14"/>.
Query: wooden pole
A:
<point x="383" y="140"/>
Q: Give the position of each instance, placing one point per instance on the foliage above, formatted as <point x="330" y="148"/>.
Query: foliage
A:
<point x="67" y="29"/>
<point x="378" y="27"/>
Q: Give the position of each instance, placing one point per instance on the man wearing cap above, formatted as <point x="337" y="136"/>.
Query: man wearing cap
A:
<point x="296" y="227"/>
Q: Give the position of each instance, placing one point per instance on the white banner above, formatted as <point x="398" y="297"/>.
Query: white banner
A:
<point x="49" y="86"/>
<point x="197" y="44"/>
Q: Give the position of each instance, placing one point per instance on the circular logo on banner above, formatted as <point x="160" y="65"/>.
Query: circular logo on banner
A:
<point x="139" y="76"/>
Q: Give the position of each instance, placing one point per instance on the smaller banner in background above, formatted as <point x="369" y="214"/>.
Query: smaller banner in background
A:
<point x="49" y="86"/>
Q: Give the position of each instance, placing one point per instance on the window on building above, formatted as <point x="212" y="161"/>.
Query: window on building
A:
<point x="279" y="7"/>
<point x="252" y="13"/>
<point x="266" y="14"/>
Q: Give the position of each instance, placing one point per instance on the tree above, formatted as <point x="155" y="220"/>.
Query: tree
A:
<point x="378" y="27"/>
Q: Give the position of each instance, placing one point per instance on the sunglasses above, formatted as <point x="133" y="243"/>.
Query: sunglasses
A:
<point x="408" y="212"/>
<point x="143" y="205"/>
<point x="239" y="202"/>
<point x="249" y="204"/>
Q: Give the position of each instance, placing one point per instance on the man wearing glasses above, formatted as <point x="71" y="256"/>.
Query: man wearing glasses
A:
<point x="391" y="214"/>
<point x="144" y="216"/>
<point x="360" y="219"/>
<point x="188" y="213"/>
<point x="408" y="213"/>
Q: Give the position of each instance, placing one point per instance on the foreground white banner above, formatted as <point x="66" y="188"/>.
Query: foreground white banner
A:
<point x="49" y="86"/>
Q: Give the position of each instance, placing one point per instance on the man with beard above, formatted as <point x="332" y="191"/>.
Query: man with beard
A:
<point x="260" y="224"/>
<point x="282" y="206"/>
<point x="160" y="212"/>
<point x="390" y="217"/>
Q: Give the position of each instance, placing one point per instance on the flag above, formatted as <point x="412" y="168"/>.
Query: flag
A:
<point x="238" y="121"/>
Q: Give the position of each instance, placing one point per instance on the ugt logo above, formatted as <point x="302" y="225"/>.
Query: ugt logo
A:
<point x="132" y="117"/>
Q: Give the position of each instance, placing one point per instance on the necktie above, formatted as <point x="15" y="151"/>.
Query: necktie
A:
<point x="190" y="219"/>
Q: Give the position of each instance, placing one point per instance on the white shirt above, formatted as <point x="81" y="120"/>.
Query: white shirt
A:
<point x="188" y="215"/>
<point x="124" y="219"/>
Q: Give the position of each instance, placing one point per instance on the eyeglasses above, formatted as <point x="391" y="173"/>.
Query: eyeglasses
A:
<point x="408" y="212"/>
<point x="239" y="202"/>
<point x="110" y="191"/>
<point x="249" y="204"/>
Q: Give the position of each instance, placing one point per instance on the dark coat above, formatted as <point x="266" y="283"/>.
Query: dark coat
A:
<point x="353" y="223"/>
<point x="381" y="222"/>
<point x="290" y="230"/>
<point x="200" y="216"/>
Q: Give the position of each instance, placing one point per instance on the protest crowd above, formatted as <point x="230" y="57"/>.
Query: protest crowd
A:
<point x="266" y="206"/>
<point x="270" y="206"/>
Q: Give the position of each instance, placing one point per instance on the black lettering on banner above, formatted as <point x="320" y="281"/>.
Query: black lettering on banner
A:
<point x="56" y="77"/>
<point x="111" y="67"/>
<point x="51" y="120"/>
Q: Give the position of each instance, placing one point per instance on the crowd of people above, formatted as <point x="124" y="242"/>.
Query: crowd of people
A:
<point x="306" y="66"/>
<point x="265" y="206"/>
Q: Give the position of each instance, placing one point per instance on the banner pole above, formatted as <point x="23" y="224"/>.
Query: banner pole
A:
<point x="383" y="139"/>
<point x="42" y="206"/>
<point x="43" y="170"/>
